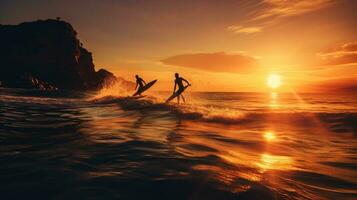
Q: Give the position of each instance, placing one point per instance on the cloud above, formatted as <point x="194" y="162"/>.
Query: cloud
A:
<point x="351" y="46"/>
<point x="271" y="11"/>
<point x="285" y="8"/>
<point x="336" y="85"/>
<point x="340" y="55"/>
<point x="339" y="58"/>
<point x="247" y="30"/>
<point x="216" y="62"/>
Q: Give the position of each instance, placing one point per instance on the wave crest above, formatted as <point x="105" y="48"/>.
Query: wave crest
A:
<point x="183" y="111"/>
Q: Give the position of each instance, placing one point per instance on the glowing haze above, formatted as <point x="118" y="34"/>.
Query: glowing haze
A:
<point x="228" y="45"/>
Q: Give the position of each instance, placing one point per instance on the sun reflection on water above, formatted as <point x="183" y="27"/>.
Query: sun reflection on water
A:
<point x="269" y="136"/>
<point x="273" y="162"/>
<point x="273" y="100"/>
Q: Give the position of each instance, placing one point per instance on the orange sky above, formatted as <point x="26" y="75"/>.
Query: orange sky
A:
<point x="226" y="45"/>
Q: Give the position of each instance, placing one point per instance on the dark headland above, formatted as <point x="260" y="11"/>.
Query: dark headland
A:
<point x="47" y="55"/>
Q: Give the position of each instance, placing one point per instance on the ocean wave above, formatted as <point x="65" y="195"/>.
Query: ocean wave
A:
<point x="339" y="122"/>
<point x="226" y="115"/>
<point x="182" y="111"/>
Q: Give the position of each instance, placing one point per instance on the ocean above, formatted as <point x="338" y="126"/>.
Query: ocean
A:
<point x="71" y="145"/>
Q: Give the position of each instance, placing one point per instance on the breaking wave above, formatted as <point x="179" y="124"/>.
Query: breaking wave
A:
<point x="221" y="114"/>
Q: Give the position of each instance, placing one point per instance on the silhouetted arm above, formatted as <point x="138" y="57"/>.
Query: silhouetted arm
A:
<point x="143" y="81"/>
<point x="186" y="81"/>
<point x="136" y="85"/>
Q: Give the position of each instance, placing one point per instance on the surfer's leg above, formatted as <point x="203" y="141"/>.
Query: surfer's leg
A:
<point x="183" y="98"/>
<point x="178" y="99"/>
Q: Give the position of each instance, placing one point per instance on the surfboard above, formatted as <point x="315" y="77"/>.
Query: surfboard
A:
<point x="146" y="87"/>
<point x="135" y="97"/>
<point x="174" y="95"/>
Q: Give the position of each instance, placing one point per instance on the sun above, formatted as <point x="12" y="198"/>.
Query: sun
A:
<point x="274" y="81"/>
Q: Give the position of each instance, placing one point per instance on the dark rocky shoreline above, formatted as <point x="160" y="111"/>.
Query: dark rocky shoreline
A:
<point x="47" y="55"/>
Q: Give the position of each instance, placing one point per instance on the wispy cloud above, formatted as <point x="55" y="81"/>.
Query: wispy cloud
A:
<point x="345" y="47"/>
<point x="216" y="62"/>
<point x="272" y="11"/>
<point x="285" y="8"/>
<point x="340" y="55"/>
<point x="246" y="30"/>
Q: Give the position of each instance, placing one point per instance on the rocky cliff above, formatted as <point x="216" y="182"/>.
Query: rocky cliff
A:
<point x="47" y="54"/>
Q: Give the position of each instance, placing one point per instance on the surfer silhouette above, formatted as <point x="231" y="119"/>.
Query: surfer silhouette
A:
<point x="140" y="83"/>
<point x="142" y="86"/>
<point x="179" y="82"/>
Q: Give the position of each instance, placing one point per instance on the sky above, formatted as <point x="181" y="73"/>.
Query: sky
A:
<point x="218" y="45"/>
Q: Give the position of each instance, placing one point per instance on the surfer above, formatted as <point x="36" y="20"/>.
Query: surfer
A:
<point x="142" y="86"/>
<point x="140" y="83"/>
<point x="179" y="82"/>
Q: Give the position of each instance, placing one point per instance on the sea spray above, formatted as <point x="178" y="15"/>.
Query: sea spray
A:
<point x="187" y="111"/>
<point x="119" y="89"/>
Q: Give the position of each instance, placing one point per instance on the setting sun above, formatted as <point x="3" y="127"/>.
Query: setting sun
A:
<point x="274" y="81"/>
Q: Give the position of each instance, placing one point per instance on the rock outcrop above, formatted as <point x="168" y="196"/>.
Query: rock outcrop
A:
<point x="47" y="54"/>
